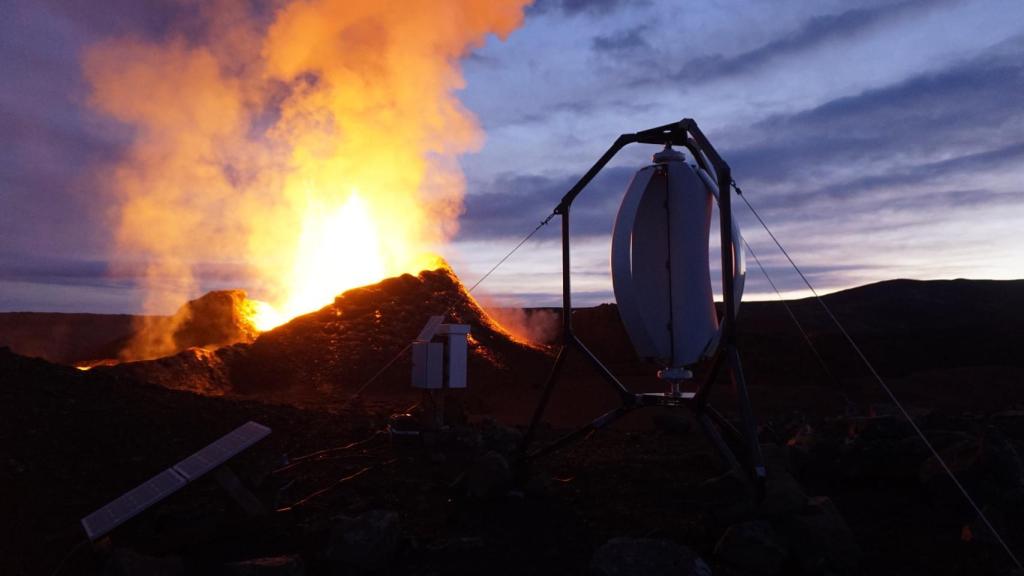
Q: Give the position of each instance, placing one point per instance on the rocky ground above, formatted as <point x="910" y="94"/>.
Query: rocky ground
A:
<point x="852" y="490"/>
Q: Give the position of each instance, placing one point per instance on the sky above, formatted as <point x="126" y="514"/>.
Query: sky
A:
<point x="878" y="140"/>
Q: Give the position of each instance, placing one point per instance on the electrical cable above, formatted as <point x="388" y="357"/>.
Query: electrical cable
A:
<point x="885" y="387"/>
<point x="384" y="369"/>
<point x="513" y="251"/>
<point x="469" y="291"/>
<point x="362" y="388"/>
<point x="377" y="375"/>
<point x="320" y="453"/>
<point x="806" y="337"/>
<point x="333" y="485"/>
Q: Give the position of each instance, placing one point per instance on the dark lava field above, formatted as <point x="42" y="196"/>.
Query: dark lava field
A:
<point x="851" y="488"/>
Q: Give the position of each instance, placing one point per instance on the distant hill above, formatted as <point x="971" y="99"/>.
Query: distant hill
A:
<point x="948" y="340"/>
<point x="215" y="319"/>
<point x="66" y="338"/>
<point x="946" y="337"/>
<point x="903" y="326"/>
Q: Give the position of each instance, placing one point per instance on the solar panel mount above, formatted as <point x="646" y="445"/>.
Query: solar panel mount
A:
<point x="145" y="495"/>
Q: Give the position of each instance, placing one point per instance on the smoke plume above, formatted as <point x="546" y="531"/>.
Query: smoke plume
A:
<point x="314" y="146"/>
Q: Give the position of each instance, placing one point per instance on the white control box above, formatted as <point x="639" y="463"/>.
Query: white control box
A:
<point x="439" y="355"/>
<point x="427" y="365"/>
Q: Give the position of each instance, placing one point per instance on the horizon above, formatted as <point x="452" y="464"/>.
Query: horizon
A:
<point x="792" y="296"/>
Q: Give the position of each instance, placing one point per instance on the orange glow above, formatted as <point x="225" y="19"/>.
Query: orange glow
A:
<point x="319" y="150"/>
<point x="339" y="247"/>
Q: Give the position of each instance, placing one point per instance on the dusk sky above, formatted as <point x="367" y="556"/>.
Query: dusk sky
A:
<point x="879" y="139"/>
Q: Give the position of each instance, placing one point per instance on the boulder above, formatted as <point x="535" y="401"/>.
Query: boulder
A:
<point x="367" y="543"/>
<point x="1003" y="466"/>
<point x="727" y="497"/>
<point x="881" y="449"/>
<point x="752" y="548"/>
<point x="1010" y="422"/>
<point x="499" y="437"/>
<point x="989" y="467"/>
<point x="962" y="458"/>
<point x="783" y="494"/>
<point x="489" y="477"/>
<point x="1007" y="516"/>
<point x="125" y="562"/>
<point x="814" y="452"/>
<point x="821" y="541"/>
<point x="646" y="557"/>
<point x="272" y="566"/>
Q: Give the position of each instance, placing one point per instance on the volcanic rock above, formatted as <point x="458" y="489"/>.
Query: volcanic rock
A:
<point x="347" y="342"/>
<point x="499" y="437"/>
<point x="754" y="547"/>
<point x="196" y="370"/>
<point x="989" y="467"/>
<point x="75" y="440"/>
<point x="783" y="494"/>
<point x="646" y="557"/>
<point x="216" y="319"/>
<point x="1006" y="514"/>
<point x="124" y="562"/>
<point x="821" y="540"/>
<point x="272" y="566"/>
<point x="367" y="542"/>
<point x="328" y="355"/>
<point x="489" y="477"/>
<point x="881" y="449"/>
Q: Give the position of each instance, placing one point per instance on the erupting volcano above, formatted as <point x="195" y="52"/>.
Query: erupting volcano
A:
<point x="231" y="341"/>
<point x="298" y="154"/>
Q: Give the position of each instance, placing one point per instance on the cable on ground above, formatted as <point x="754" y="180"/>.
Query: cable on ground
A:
<point x="881" y="382"/>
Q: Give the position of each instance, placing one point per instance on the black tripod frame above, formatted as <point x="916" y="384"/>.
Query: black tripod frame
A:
<point x="683" y="133"/>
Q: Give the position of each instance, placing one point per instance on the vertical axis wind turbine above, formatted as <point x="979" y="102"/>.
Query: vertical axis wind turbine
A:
<point x="661" y="276"/>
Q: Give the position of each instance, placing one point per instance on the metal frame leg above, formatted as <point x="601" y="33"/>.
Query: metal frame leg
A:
<point x="682" y="133"/>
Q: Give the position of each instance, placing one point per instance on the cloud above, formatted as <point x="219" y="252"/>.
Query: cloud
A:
<point x="628" y="40"/>
<point x="948" y="120"/>
<point x="59" y="271"/>
<point x="859" y="188"/>
<point x="814" y="32"/>
<point x="512" y="205"/>
<point x="933" y="173"/>
<point x="881" y="178"/>
<point x="575" y="7"/>
<point x="917" y="132"/>
<point x="69" y="271"/>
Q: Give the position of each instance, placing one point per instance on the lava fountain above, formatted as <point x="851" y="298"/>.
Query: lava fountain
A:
<point x="299" y="148"/>
<point x="330" y="235"/>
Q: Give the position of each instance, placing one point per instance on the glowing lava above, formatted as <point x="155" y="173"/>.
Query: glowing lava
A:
<point x="339" y="247"/>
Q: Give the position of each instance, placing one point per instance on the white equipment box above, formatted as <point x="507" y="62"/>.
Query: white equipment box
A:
<point x="439" y="355"/>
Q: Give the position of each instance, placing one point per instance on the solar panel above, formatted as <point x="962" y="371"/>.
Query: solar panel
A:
<point x="430" y="328"/>
<point x="138" y="499"/>
<point x="221" y="451"/>
<point x="131" y="503"/>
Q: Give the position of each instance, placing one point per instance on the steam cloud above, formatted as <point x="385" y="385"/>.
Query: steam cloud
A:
<point x="246" y="125"/>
